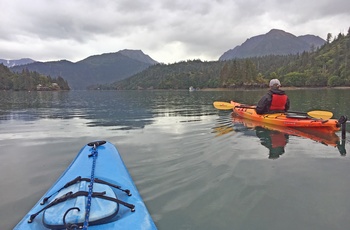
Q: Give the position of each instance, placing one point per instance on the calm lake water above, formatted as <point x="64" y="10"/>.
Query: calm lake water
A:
<point x="195" y="166"/>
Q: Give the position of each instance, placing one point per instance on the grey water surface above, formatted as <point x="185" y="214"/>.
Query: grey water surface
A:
<point x="194" y="165"/>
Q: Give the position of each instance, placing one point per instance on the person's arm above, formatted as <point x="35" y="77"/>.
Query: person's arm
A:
<point x="287" y="106"/>
<point x="263" y="105"/>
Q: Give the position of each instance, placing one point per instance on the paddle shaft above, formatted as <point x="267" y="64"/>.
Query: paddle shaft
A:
<point x="253" y="107"/>
<point x="315" y="114"/>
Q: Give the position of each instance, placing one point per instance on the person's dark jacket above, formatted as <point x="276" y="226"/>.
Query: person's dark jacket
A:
<point x="264" y="104"/>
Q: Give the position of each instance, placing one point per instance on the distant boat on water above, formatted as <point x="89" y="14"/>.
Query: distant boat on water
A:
<point x="191" y="89"/>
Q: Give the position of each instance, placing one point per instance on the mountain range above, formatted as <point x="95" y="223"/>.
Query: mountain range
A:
<point x="275" y="42"/>
<point x="11" y="63"/>
<point x="112" y="67"/>
<point x="96" y="69"/>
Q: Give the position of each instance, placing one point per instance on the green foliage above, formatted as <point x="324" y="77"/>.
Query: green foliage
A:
<point x="317" y="81"/>
<point x="30" y="81"/>
<point x="240" y="73"/>
<point x="335" y="81"/>
<point x="294" y="79"/>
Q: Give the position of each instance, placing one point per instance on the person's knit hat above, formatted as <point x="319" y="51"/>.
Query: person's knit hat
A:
<point x="275" y="82"/>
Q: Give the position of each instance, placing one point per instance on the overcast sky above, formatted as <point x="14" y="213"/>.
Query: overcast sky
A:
<point x="167" y="30"/>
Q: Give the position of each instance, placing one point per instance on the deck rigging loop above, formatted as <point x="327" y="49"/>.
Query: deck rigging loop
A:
<point x="70" y="226"/>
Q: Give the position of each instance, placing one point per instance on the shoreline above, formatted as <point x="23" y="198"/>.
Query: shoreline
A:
<point x="282" y="88"/>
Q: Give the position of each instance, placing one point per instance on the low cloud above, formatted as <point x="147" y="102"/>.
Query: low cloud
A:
<point x="168" y="31"/>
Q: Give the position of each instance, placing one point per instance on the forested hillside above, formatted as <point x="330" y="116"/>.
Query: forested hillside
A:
<point x="30" y="81"/>
<point x="175" y="76"/>
<point x="329" y="65"/>
<point x="97" y="69"/>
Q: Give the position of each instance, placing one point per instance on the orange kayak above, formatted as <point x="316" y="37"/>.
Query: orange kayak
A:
<point x="284" y="119"/>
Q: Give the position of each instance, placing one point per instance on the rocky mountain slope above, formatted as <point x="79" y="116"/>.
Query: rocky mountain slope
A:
<point x="275" y="42"/>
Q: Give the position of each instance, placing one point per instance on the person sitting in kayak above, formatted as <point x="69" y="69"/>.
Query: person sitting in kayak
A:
<point x="274" y="101"/>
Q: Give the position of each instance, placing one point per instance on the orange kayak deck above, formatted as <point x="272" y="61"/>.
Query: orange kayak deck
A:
<point x="281" y="119"/>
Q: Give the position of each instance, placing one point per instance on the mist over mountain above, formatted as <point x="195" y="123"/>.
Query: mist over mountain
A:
<point x="275" y="42"/>
<point x="96" y="69"/>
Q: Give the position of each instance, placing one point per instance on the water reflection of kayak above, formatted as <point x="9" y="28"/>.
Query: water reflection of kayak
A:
<point x="321" y="135"/>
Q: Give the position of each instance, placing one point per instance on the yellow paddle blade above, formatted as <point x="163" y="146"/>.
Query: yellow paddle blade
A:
<point x="222" y="105"/>
<point x="325" y="115"/>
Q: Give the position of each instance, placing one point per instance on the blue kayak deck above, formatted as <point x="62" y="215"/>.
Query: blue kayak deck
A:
<point x="109" y="167"/>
